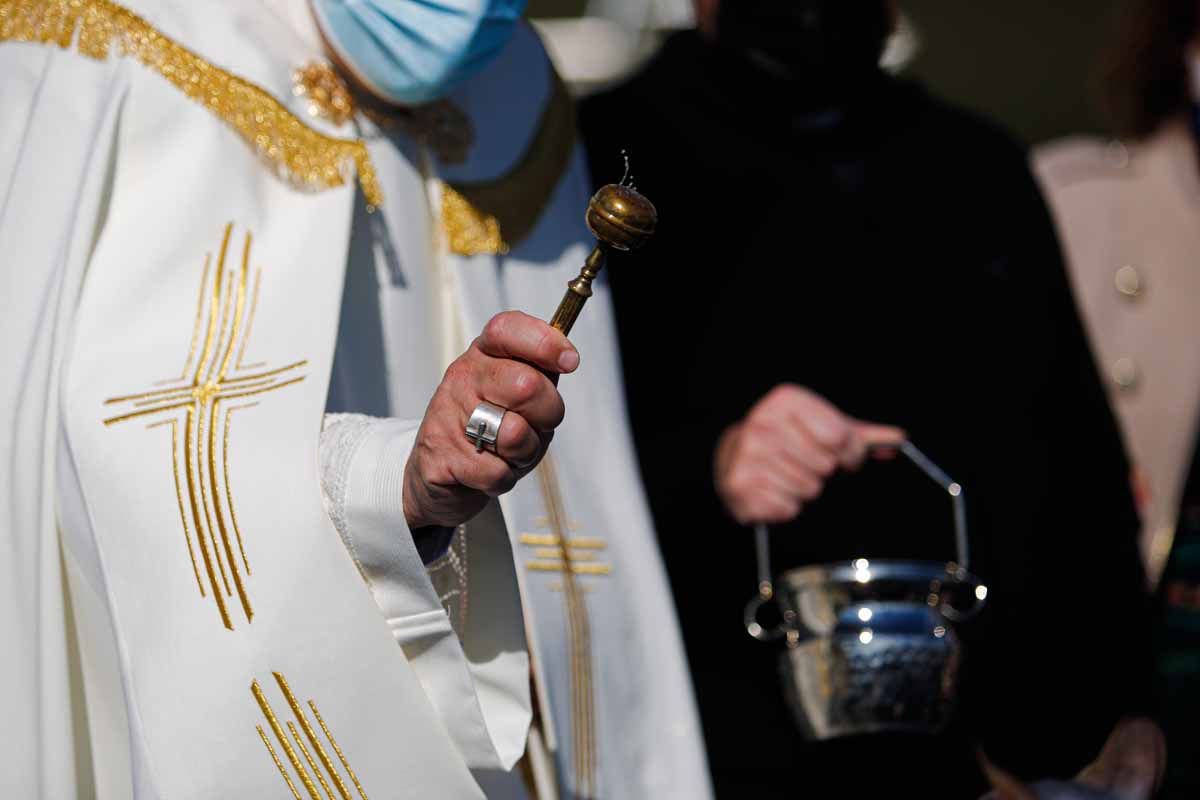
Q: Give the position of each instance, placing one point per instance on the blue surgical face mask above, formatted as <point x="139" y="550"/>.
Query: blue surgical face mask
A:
<point x="415" y="51"/>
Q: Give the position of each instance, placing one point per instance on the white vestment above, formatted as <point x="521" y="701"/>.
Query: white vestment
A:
<point x="172" y="308"/>
<point x="213" y="598"/>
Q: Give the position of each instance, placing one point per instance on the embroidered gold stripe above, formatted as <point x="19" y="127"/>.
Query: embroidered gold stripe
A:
<point x="301" y="155"/>
<point x="579" y="646"/>
<point x="278" y="764"/>
<point x="576" y="569"/>
<point x="188" y="393"/>
<point x="271" y="388"/>
<point x="239" y="366"/>
<point x="174" y="423"/>
<point x="273" y="721"/>
<point x="319" y="765"/>
<point x="204" y="498"/>
<point x="554" y="540"/>
<point x="240" y="309"/>
<point x="195" y="505"/>
<point x="228" y="492"/>
<point x="312" y="737"/>
<point x="212" y="475"/>
<point x="341" y="757"/>
<point x="308" y="758"/>
<point x="165" y="395"/>
<point x="187" y="364"/>
<point x="557" y="553"/>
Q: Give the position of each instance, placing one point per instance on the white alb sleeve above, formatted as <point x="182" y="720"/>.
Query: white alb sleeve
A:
<point x="458" y="620"/>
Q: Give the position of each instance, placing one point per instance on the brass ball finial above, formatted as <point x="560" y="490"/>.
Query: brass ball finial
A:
<point x="620" y="217"/>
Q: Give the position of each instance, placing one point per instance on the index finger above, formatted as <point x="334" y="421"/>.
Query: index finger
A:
<point x="520" y="336"/>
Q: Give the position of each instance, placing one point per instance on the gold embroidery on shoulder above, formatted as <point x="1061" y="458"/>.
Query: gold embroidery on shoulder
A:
<point x="306" y="158"/>
<point x="469" y="231"/>
<point x="322" y="758"/>
<point x="491" y="216"/>
<point x="203" y="405"/>
<point x="327" y="94"/>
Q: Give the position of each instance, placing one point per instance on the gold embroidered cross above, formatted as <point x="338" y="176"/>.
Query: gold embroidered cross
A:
<point x="202" y="398"/>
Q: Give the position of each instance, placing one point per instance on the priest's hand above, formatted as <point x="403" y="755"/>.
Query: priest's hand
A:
<point x="514" y="364"/>
<point x="776" y="459"/>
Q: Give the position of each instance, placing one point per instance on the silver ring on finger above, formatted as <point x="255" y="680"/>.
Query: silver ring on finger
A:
<point x="483" y="428"/>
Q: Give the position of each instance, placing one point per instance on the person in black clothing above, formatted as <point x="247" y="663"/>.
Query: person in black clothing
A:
<point x="827" y="226"/>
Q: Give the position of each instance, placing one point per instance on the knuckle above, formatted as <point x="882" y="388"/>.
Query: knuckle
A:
<point x="522" y="443"/>
<point x="776" y="393"/>
<point x="497" y="327"/>
<point x="740" y="483"/>
<point x="491" y="474"/>
<point x="558" y="410"/>
<point x="546" y="346"/>
<point x="525" y="385"/>
<point x="436" y="471"/>
<point x="458" y="372"/>
<point x="788" y="393"/>
<point x="810" y="489"/>
<point x="758" y="424"/>
<point x="748" y="449"/>
<point x="832" y="432"/>
<point x="503" y="482"/>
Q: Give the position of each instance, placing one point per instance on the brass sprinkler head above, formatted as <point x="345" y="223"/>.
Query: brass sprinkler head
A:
<point x="620" y="217"/>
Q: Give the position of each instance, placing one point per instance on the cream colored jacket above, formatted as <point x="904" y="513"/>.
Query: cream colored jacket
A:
<point x="1128" y="216"/>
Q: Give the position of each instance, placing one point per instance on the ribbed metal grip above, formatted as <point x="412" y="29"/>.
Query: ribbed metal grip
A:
<point x="568" y="312"/>
<point x="578" y="291"/>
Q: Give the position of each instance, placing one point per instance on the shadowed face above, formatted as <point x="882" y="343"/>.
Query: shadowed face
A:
<point x="801" y="35"/>
<point x="820" y="53"/>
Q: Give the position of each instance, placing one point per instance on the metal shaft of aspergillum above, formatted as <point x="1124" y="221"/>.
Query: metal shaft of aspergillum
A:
<point x="578" y="291"/>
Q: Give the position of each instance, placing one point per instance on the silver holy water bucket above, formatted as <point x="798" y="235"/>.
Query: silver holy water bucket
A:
<point x="870" y="643"/>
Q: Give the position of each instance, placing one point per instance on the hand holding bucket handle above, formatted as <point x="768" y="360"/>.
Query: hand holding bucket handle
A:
<point x="956" y="572"/>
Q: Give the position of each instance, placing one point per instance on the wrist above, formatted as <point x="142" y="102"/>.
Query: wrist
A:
<point x="409" y="504"/>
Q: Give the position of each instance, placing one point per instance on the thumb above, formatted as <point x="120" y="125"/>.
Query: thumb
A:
<point x="870" y="439"/>
<point x="879" y="441"/>
<point x="872" y="434"/>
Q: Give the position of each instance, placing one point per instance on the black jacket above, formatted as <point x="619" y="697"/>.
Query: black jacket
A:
<point x="896" y="257"/>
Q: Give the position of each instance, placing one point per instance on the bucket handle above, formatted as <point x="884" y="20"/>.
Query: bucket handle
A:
<point x="762" y="547"/>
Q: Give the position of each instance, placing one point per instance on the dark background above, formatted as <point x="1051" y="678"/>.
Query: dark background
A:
<point x="1030" y="64"/>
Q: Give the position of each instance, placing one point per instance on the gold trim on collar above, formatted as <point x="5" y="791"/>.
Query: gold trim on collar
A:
<point x="492" y="216"/>
<point x="305" y="158"/>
